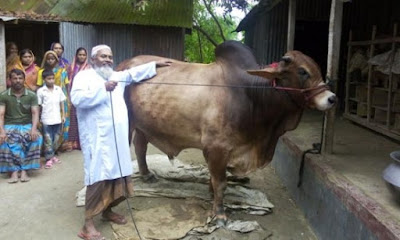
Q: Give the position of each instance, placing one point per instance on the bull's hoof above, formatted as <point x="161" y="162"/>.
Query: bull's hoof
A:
<point x="220" y="220"/>
<point x="238" y="179"/>
<point x="149" y="178"/>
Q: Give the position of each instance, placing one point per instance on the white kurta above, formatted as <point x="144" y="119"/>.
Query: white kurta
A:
<point x="95" y="121"/>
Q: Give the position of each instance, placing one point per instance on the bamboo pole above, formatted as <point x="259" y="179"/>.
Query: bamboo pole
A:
<point x="291" y="25"/>
<point x="369" y="94"/>
<point x="349" y="52"/>
<point x="390" y="87"/>
<point x="2" y="56"/>
<point x="335" y="32"/>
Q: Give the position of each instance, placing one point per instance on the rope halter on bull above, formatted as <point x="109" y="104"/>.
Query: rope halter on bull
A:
<point x="307" y="93"/>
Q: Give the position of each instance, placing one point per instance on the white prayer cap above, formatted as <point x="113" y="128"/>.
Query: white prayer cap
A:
<point x="97" y="48"/>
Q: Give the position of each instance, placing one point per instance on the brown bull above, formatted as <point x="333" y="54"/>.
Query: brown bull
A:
<point x="235" y="117"/>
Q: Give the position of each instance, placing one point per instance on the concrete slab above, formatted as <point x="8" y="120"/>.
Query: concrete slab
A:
<point x="343" y="194"/>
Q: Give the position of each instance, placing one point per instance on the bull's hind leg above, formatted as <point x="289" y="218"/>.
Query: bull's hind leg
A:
<point x="217" y="158"/>
<point x="140" y="142"/>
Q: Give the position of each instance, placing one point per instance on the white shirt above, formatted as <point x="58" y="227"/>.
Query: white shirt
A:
<point x="50" y="102"/>
<point x="98" y="111"/>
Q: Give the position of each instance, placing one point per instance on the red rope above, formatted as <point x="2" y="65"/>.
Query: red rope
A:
<point x="308" y="93"/>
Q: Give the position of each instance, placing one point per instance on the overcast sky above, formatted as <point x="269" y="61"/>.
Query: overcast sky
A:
<point x="237" y="14"/>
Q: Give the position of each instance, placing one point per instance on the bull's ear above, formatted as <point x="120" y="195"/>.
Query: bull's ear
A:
<point x="268" y="72"/>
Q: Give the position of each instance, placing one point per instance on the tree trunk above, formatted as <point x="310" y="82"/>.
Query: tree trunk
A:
<point x="215" y="19"/>
<point x="198" y="28"/>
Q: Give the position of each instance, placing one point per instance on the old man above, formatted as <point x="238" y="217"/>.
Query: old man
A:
<point x="97" y="94"/>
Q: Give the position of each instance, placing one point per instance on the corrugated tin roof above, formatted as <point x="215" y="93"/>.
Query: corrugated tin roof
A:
<point x="171" y="13"/>
<point x="262" y="7"/>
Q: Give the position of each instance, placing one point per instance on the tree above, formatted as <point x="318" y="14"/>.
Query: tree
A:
<point x="210" y="29"/>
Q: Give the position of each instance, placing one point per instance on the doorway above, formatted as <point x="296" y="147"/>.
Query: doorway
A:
<point x="36" y="36"/>
<point x="311" y="38"/>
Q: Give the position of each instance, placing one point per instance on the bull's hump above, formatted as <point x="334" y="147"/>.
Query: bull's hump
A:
<point x="236" y="53"/>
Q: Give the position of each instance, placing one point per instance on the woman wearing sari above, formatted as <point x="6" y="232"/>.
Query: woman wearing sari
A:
<point x="50" y="61"/>
<point x="27" y="60"/>
<point x="11" y="48"/>
<point x="12" y="60"/>
<point x="59" y="49"/>
<point x="79" y="63"/>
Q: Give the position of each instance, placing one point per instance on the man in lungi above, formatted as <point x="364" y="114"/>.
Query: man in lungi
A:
<point x="98" y="96"/>
<point x="20" y="141"/>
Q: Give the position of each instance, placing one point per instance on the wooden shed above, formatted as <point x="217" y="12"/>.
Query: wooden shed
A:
<point x="158" y="28"/>
<point x="322" y="29"/>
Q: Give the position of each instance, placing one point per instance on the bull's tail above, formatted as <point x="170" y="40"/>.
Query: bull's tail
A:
<point x="171" y="159"/>
<point x="127" y="98"/>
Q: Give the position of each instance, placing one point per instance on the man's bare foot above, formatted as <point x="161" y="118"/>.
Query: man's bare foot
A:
<point x="116" y="218"/>
<point x="89" y="232"/>
<point x="13" y="178"/>
<point x="24" y="176"/>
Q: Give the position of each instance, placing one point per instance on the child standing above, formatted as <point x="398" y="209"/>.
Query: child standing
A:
<point x="50" y="61"/>
<point x="51" y="99"/>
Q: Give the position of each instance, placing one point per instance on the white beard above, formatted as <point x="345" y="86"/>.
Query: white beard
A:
<point x="104" y="71"/>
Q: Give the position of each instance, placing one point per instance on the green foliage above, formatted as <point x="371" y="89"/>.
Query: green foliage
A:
<point x="200" y="44"/>
<point x="228" y="5"/>
<point x="203" y="52"/>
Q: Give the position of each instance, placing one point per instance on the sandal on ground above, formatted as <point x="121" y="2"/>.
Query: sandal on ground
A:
<point x="55" y="160"/>
<point x="12" y="180"/>
<point x="25" y="179"/>
<point x="117" y="219"/>
<point x="49" y="164"/>
<point x="86" y="236"/>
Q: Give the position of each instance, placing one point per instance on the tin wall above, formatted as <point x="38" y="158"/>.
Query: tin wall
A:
<point x="268" y="36"/>
<point x="126" y="41"/>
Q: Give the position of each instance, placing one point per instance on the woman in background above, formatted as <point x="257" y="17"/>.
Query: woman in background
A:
<point x="12" y="60"/>
<point x="79" y="63"/>
<point x="27" y="60"/>
<point x="11" y="48"/>
<point x="59" y="49"/>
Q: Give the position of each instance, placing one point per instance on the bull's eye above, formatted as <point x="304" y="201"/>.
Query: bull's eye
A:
<point x="303" y="74"/>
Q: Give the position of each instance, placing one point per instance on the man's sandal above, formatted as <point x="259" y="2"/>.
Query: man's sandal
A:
<point x="49" y="164"/>
<point x="55" y="160"/>
<point x="12" y="180"/>
<point x="86" y="236"/>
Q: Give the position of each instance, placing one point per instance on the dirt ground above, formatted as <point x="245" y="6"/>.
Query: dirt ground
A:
<point x="44" y="208"/>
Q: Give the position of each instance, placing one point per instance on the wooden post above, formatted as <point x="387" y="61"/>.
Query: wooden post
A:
<point x="349" y="52"/>
<point x="389" y="106"/>
<point x="369" y="81"/>
<point x="291" y="25"/>
<point x="335" y="33"/>
<point x="2" y="57"/>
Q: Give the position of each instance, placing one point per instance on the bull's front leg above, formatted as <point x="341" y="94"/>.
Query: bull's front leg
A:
<point x="140" y="142"/>
<point x="217" y="158"/>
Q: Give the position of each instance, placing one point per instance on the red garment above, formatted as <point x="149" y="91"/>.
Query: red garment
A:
<point x="73" y="132"/>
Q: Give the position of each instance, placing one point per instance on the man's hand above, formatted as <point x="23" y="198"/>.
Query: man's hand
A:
<point x="34" y="134"/>
<point x="3" y="137"/>
<point x="163" y="63"/>
<point x="110" y="85"/>
<point x="63" y="119"/>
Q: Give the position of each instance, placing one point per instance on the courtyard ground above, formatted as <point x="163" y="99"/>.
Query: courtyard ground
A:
<point x="44" y="208"/>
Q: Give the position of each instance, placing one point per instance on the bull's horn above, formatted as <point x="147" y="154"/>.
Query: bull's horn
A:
<point x="268" y="73"/>
<point x="286" y="59"/>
